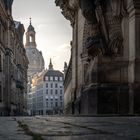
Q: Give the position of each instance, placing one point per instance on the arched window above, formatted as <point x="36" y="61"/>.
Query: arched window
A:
<point x="31" y="38"/>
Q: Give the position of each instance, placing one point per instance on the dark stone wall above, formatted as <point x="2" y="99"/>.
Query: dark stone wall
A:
<point x="113" y="100"/>
<point x="105" y="99"/>
<point x="89" y="101"/>
<point x="137" y="100"/>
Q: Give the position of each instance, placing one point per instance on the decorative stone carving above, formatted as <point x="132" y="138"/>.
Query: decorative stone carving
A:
<point x="102" y="31"/>
<point x="74" y="4"/>
<point x="67" y="11"/>
<point x="105" y="26"/>
<point x="93" y="41"/>
<point x="113" y="18"/>
<point x="88" y="9"/>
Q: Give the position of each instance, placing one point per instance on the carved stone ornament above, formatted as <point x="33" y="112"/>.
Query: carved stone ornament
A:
<point x="104" y="19"/>
<point x="102" y="32"/>
<point x="113" y="18"/>
<point x="88" y="9"/>
<point x="74" y="4"/>
<point x="93" y="41"/>
<point x="67" y="11"/>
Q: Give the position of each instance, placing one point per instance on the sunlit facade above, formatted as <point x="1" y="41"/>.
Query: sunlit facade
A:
<point x="47" y="93"/>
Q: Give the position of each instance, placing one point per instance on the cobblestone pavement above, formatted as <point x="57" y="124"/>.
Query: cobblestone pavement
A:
<point x="9" y="130"/>
<point x="69" y="128"/>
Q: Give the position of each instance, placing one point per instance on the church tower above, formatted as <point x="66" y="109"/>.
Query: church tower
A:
<point x="30" y="36"/>
<point x="50" y="65"/>
<point x="36" y="60"/>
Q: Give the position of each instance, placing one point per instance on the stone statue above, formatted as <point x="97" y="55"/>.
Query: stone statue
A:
<point x="109" y="40"/>
<point x="105" y="32"/>
<point x="88" y="9"/>
<point x="93" y="42"/>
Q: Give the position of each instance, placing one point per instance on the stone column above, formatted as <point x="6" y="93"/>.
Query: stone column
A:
<point x="134" y="53"/>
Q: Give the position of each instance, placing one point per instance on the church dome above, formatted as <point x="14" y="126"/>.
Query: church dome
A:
<point x="35" y="58"/>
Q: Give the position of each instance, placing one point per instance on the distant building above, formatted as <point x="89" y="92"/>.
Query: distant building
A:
<point x="47" y="93"/>
<point x="36" y="60"/>
<point x="13" y="63"/>
<point x="45" y="87"/>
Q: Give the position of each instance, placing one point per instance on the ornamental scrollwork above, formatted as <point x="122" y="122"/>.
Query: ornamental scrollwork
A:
<point x="104" y="19"/>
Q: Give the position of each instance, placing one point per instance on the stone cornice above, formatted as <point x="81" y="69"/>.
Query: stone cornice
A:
<point x="68" y="9"/>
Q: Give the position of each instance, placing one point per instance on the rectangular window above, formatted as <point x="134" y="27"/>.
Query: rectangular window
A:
<point x="51" y="85"/>
<point x="46" y="85"/>
<point x="60" y="78"/>
<point x="61" y="85"/>
<point x="56" y="104"/>
<point x="51" y="78"/>
<point x="56" y="91"/>
<point x="56" y="85"/>
<point x="56" y="78"/>
<point x="46" y="78"/>
<point x="61" y="91"/>
<point x="60" y="97"/>
<point x="51" y="91"/>
<point x="46" y="91"/>
<point x="46" y="104"/>
<point x="51" y="104"/>
<point x="61" y="104"/>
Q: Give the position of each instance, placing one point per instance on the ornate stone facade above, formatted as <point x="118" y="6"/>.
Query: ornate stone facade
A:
<point x="13" y="63"/>
<point x="46" y="96"/>
<point x="105" y="56"/>
<point x="36" y="60"/>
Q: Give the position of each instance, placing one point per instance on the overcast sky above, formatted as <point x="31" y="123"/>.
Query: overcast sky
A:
<point x="53" y="31"/>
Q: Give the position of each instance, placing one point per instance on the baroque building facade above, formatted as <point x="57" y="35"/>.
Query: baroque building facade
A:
<point x="46" y="96"/>
<point x="45" y="87"/>
<point x="103" y="74"/>
<point x="36" y="60"/>
<point x="13" y="63"/>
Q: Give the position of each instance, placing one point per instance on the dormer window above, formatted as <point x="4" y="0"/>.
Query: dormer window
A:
<point x="60" y="78"/>
<point x="46" y="78"/>
<point x="56" y="78"/>
<point x="51" y="78"/>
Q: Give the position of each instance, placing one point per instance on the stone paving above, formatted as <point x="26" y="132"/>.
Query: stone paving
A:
<point x="70" y="128"/>
<point x="9" y="130"/>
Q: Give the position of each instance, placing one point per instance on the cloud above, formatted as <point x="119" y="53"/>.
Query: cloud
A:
<point x="53" y="31"/>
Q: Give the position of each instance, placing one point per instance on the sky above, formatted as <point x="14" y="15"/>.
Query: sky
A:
<point x="53" y="31"/>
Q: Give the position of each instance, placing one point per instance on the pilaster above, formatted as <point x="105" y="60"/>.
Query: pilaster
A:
<point x="134" y="55"/>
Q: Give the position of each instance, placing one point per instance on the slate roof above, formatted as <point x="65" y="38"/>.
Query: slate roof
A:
<point x="30" y="28"/>
<point x="54" y="73"/>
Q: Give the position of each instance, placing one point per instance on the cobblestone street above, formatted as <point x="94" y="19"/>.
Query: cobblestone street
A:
<point x="69" y="128"/>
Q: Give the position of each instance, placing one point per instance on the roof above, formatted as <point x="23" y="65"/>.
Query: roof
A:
<point x="17" y="23"/>
<point x="53" y="73"/>
<point x="30" y="28"/>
